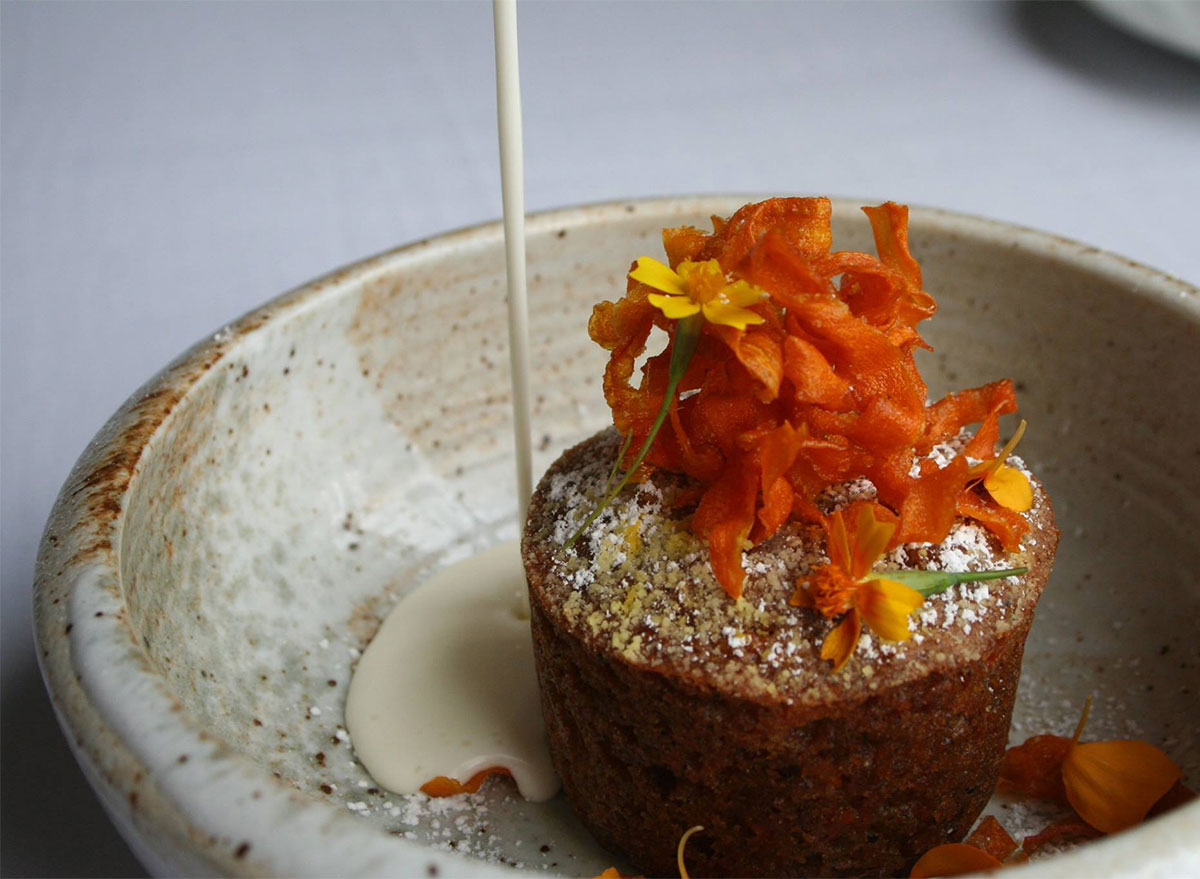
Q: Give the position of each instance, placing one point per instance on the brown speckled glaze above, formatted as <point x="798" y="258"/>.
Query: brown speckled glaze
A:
<point x="243" y="522"/>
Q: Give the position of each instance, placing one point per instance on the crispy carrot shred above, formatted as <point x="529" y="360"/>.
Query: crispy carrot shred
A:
<point x="991" y="837"/>
<point x="724" y="517"/>
<point x="823" y="390"/>
<point x="760" y="352"/>
<point x="1007" y="525"/>
<point x="1035" y="768"/>
<point x="442" y="786"/>
<point x="683" y="242"/>
<point x="928" y="511"/>
<point x="953" y="859"/>
<point x="889" y="224"/>
<point x="955" y="411"/>
<point x="812" y="376"/>
<point x="804" y="222"/>
<point x="1069" y="829"/>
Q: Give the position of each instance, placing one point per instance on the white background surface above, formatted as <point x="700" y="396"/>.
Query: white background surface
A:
<point x="168" y="167"/>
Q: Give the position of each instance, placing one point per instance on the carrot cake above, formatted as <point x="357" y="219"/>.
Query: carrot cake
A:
<point x="785" y="597"/>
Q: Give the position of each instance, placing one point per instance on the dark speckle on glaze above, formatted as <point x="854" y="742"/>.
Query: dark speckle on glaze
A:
<point x="259" y="591"/>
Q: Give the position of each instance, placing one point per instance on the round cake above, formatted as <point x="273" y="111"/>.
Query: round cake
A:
<point x="786" y="598"/>
<point x="667" y="705"/>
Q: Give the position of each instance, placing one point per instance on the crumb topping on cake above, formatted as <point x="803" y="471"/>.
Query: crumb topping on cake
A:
<point x="638" y="584"/>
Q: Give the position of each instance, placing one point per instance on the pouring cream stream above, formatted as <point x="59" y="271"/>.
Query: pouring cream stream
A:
<point x="447" y="687"/>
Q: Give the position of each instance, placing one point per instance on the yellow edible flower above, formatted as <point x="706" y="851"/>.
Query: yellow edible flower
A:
<point x="697" y="287"/>
<point x="1008" y="486"/>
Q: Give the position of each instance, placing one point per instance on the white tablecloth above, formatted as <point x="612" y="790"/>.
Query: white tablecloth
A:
<point x="167" y="167"/>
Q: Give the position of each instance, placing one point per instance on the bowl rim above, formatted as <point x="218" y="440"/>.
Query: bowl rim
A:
<point x="104" y="689"/>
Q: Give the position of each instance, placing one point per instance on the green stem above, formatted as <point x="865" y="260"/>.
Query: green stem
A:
<point x="933" y="582"/>
<point x="616" y="467"/>
<point x="1083" y="719"/>
<point x="683" y="346"/>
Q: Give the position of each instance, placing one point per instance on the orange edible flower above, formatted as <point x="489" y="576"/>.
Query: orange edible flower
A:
<point x="442" y="786"/>
<point x="953" y="859"/>
<point x="614" y="873"/>
<point x="843" y="586"/>
<point x="695" y="287"/>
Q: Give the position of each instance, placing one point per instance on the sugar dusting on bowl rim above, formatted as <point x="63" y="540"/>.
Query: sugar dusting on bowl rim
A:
<point x="219" y="811"/>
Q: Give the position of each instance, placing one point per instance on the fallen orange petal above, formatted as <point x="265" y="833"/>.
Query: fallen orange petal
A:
<point x="991" y="837"/>
<point x="953" y="859"/>
<point x="840" y="643"/>
<point x="1112" y="785"/>
<point x="871" y="536"/>
<point x="885" y="605"/>
<point x="1010" y="488"/>
<point x="442" y="786"/>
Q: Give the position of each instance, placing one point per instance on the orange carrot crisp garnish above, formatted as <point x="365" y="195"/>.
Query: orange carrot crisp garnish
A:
<point x="991" y="837"/>
<point x="441" y="786"/>
<point x="1035" y="768"/>
<point x="1069" y="829"/>
<point x="789" y="369"/>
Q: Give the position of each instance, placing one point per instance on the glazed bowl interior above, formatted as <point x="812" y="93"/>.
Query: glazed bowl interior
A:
<point x="327" y="454"/>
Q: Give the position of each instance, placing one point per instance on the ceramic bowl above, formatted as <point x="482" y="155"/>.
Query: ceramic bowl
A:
<point x="232" y="537"/>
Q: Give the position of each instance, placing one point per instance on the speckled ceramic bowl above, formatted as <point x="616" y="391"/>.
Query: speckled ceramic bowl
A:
<point x="232" y="537"/>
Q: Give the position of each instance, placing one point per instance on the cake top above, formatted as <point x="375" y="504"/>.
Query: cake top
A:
<point x="638" y="584"/>
<point x="789" y="370"/>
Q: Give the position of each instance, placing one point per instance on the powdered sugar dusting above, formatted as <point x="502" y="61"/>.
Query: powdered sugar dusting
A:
<point x="639" y="582"/>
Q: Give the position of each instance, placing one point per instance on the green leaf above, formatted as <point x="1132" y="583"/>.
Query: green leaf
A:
<point x="933" y="582"/>
<point x="683" y="346"/>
